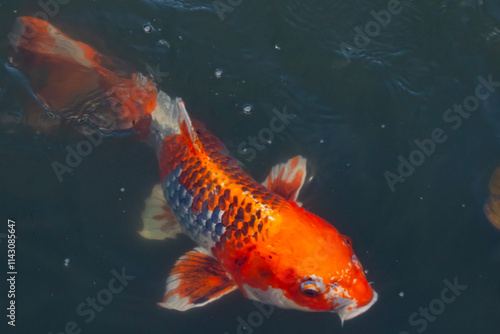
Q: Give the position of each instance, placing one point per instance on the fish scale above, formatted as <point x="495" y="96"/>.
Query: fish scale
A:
<point x="210" y="214"/>
<point x="204" y="227"/>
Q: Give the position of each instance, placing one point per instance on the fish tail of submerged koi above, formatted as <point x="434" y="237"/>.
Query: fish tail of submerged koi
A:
<point x="74" y="82"/>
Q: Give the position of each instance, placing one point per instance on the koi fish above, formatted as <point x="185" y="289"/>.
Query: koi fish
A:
<point x="252" y="237"/>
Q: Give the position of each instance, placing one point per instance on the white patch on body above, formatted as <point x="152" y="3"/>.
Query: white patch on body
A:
<point x="346" y="314"/>
<point x="274" y="297"/>
<point x="165" y="120"/>
<point x="338" y="292"/>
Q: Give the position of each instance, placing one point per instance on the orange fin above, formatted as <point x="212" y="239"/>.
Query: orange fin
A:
<point x="61" y="70"/>
<point x="196" y="280"/>
<point x="286" y="179"/>
<point x="186" y="127"/>
<point x="158" y="220"/>
<point x="73" y="79"/>
<point x="492" y="206"/>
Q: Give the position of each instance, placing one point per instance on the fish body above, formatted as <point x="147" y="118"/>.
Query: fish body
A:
<point x="250" y="236"/>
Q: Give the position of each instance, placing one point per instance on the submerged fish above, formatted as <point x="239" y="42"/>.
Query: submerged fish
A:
<point x="253" y="237"/>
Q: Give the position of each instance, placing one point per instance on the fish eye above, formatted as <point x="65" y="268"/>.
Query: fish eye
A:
<point x="309" y="289"/>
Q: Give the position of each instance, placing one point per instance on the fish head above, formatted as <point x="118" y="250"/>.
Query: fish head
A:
<point x="309" y="266"/>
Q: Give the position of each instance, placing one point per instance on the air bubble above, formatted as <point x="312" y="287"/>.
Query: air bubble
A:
<point x="247" y="109"/>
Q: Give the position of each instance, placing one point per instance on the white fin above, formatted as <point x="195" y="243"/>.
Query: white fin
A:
<point x="286" y="179"/>
<point x="168" y="118"/>
<point x="158" y="220"/>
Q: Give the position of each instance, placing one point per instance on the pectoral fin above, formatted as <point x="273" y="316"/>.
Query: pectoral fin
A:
<point x="286" y="179"/>
<point x="196" y="279"/>
<point x="158" y="220"/>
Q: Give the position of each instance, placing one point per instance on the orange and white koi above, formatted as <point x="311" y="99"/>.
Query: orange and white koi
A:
<point x="250" y="236"/>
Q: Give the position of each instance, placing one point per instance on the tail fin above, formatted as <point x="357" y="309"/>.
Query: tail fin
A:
<point x="74" y="81"/>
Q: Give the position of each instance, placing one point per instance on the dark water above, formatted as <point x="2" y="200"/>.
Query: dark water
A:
<point x="354" y="117"/>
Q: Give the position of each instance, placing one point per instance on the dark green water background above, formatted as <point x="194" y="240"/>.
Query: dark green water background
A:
<point x="353" y="121"/>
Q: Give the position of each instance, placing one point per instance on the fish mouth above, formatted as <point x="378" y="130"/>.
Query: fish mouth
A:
<point x="350" y="311"/>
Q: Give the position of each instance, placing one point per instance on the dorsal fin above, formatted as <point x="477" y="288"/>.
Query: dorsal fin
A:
<point x="171" y="118"/>
<point x="186" y="126"/>
<point x="286" y="179"/>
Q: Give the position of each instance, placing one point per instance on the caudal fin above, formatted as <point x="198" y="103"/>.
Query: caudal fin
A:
<point x="74" y="81"/>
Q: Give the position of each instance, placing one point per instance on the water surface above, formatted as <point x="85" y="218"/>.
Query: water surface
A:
<point x="355" y="116"/>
